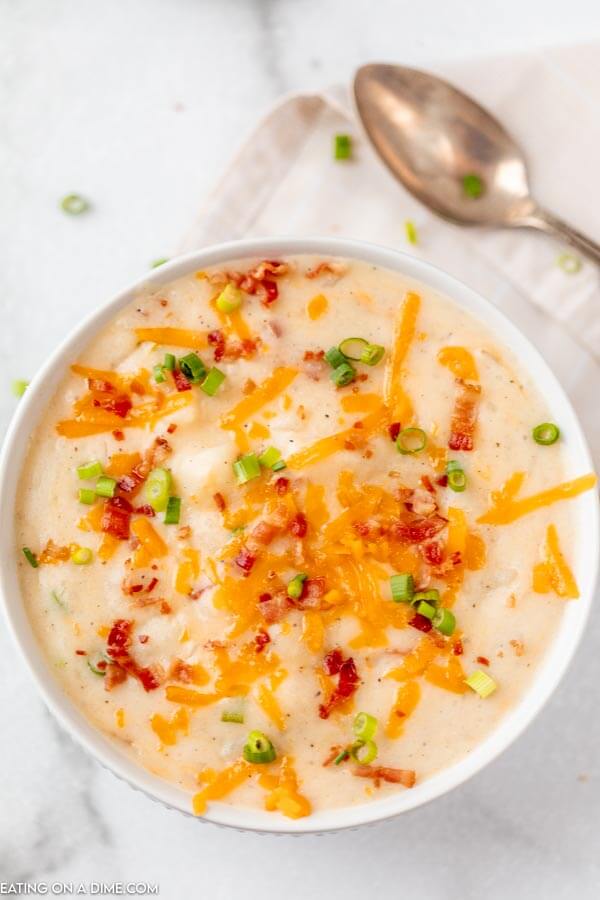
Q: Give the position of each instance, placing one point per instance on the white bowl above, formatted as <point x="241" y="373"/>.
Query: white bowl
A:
<point x="552" y="667"/>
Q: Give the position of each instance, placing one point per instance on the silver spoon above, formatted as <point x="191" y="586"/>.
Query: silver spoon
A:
<point x="431" y="135"/>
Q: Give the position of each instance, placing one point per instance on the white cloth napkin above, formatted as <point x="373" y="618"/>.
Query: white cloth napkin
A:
<point x="284" y="181"/>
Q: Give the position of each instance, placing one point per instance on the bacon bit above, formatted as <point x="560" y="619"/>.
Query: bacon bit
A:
<point x="422" y="623"/>
<point x="483" y="660"/>
<point x="333" y="662"/>
<point x="138" y="583"/>
<point x="442" y="481"/>
<point x="181" y="382"/>
<point x="458" y="648"/>
<point x="119" y="639"/>
<point x="518" y="647"/>
<point x="220" y="501"/>
<point x="421" y="502"/>
<point x="270" y="292"/>
<point x="181" y="671"/>
<point x="433" y="553"/>
<point x="261" y="640"/>
<point x="163" y="302"/>
<point x="100" y="386"/>
<point x="165" y="608"/>
<point x="120" y="405"/>
<point x="281" y="486"/>
<point x="150" y="678"/>
<point x="334" y="751"/>
<point x="172" y="428"/>
<point x="116" y="515"/>
<point x="326" y="268"/>
<point x="143" y="638"/>
<point x="406" y="777"/>
<point x="81" y="652"/>
<point x="136" y="387"/>
<point x="273" y="608"/>
<point x="114" y="675"/>
<point x="464" y="416"/>
<point x="118" y="644"/>
<point x="426" y="482"/>
<point x="216" y="339"/>
<point x="313" y="589"/>
<point x="418" y="530"/>
<point x="244" y="561"/>
<point x="299" y="525"/>
<point x="348" y="681"/>
<point x="145" y="510"/>
<point x="349" y="445"/>
<point x="263" y="533"/>
<point x="363" y="529"/>
<point x="118" y="435"/>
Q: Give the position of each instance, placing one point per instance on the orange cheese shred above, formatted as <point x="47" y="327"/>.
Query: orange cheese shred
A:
<point x="168" y="730"/>
<point x="506" y="508"/>
<point x="317" y="307"/>
<point x="222" y="784"/>
<point x="150" y="540"/>
<point x="460" y="362"/>
<point x="266" y="392"/>
<point x="189" y="697"/>
<point x="326" y="446"/>
<point x="285" y="796"/>
<point x="173" y="337"/>
<point x="407" y="699"/>
<point x="396" y="400"/>
<point x="450" y="677"/>
<point x="554" y="572"/>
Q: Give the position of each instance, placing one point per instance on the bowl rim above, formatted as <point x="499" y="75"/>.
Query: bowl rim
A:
<point x="550" y="670"/>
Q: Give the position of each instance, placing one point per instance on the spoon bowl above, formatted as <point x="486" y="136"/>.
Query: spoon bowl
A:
<point x="431" y="136"/>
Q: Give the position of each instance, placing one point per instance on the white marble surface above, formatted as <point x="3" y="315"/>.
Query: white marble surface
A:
<point x="138" y="105"/>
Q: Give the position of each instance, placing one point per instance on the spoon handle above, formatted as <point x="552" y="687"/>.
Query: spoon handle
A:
<point x="551" y="224"/>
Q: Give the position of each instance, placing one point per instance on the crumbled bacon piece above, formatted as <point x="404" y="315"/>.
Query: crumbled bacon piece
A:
<point x="220" y="501"/>
<point x="118" y="646"/>
<point x="261" y="640"/>
<point x="406" y="777"/>
<point x="433" y="553"/>
<point x="394" y="429"/>
<point x="172" y="428"/>
<point x="181" y="382"/>
<point x="348" y="681"/>
<point x="442" y="481"/>
<point x="150" y="677"/>
<point x="263" y="533"/>
<point x="114" y="675"/>
<point x="119" y="639"/>
<point x="483" y="660"/>
<point x="216" y="339"/>
<point x="100" y="386"/>
<point x="313" y="590"/>
<point x="334" y="751"/>
<point x="119" y="405"/>
<point x="464" y="416"/>
<point x="181" y="671"/>
<point x="81" y="652"/>
<point x="422" y="623"/>
<point x="244" y="561"/>
<point x="118" y="435"/>
<point x="326" y="267"/>
<point x="518" y="647"/>
<point x="116" y="515"/>
<point x="165" y="608"/>
<point x="281" y="486"/>
<point x="273" y="607"/>
<point x="143" y="638"/>
<point x="426" y="482"/>
<point x="299" y="525"/>
<point x="333" y="662"/>
<point x="457" y="648"/>
<point x="421" y="502"/>
<point x="418" y="530"/>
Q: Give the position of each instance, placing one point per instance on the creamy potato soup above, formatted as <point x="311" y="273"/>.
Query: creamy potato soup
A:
<point x="295" y="534"/>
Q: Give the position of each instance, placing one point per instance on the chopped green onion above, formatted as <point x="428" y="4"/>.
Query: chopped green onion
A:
<point x="569" y="263"/>
<point x="296" y="585"/>
<point x="258" y="748"/>
<point x="105" y="486"/>
<point x="82" y="556"/>
<point x="482" y="683"/>
<point x="192" y="367"/>
<point x="169" y="362"/>
<point x="457" y="480"/>
<point x="270" y="457"/>
<point x="159" y="374"/>
<point x="431" y="596"/>
<point x="403" y="587"/>
<point x="89" y="470"/>
<point x="59" y="600"/>
<point x="335" y="357"/>
<point x="372" y="354"/>
<point x="93" y="664"/>
<point x="279" y="465"/>
<point x="426" y="609"/>
<point x="342" y="146"/>
<point x="473" y="186"/>
<point x="74" y="205"/>
<point x="411" y="232"/>
<point x="411" y="440"/>
<point x="343" y="375"/>
<point x="158" y="489"/>
<point x="229" y="299"/>
<point x="19" y="387"/>
<point x="351" y="348"/>
<point x="30" y="557"/>
<point x="364" y="752"/>
<point x="364" y="726"/>
<point x="213" y="381"/>
<point x="173" y="511"/>
<point x="344" y="754"/>
<point x="87" y="496"/>
<point x="246" y="468"/>
<point x="159" y="262"/>
<point x="237" y="717"/>
<point x="445" y="621"/>
<point x="547" y="433"/>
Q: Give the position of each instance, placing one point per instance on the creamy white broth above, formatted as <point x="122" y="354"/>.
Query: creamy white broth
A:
<point x="500" y="618"/>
